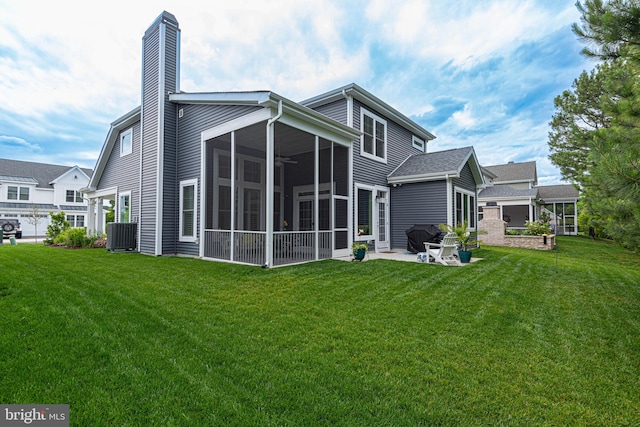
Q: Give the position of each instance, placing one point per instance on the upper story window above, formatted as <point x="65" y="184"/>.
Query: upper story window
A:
<point x="126" y="142"/>
<point x="74" y="196"/>
<point x="418" y="144"/>
<point x="374" y="136"/>
<point x="17" y="193"/>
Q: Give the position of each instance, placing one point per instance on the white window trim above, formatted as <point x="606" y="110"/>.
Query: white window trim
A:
<point x="364" y="112"/>
<point x="418" y="144"/>
<point x="183" y="184"/>
<point x="467" y="214"/>
<point x="18" y="193"/>
<point x="122" y="135"/>
<point x="120" y="196"/>
<point x="76" y="193"/>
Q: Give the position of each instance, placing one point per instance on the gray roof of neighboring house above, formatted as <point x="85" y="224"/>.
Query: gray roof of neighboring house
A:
<point x="436" y="165"/>
<point x="566" y="191"/>
<point x="504" y="191"/>
<point x="42" y="173"/>
<point x="514" y="172"/>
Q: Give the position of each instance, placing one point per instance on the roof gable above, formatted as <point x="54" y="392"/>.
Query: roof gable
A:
<point x="43" y="174"/>
<point x="122" y="123"/>
<point x="514" y="172"/>
<point x="370" y="101"/>
<point x="435" y="166"/>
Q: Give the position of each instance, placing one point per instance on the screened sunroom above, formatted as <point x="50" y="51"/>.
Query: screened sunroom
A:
<point x="276" y="191"/>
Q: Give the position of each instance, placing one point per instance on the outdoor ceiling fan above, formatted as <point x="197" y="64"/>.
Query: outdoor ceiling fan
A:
<point x="279" y="161"/>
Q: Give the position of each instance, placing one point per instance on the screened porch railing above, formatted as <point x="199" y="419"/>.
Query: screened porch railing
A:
<point x="289" y="247"/>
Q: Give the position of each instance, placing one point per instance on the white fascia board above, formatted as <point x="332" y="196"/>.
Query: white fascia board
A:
<point x="311" y="121"/>
<point x="105" y="192"/>
<point x="423" y="178"/>
<point x="513" y="181"/>
<point x="238" y="123"/>
<point x="221" y="98"/>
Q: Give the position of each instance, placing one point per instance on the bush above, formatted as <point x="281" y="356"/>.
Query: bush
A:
<point x="536" y="228"/>
<point x="75" y="238"/>
<point x="58" y="225"/>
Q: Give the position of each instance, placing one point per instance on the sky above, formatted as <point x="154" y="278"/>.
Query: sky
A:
<point x="481" y="73"/>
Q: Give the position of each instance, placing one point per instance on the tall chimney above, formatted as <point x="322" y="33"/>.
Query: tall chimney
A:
<point x="160" y="76"/>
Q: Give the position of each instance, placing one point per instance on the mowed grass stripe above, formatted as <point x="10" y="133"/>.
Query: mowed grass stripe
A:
<point x="129" y="339"/>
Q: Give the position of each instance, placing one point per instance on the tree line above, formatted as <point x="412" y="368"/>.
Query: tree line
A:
<point x="595" y="130"/>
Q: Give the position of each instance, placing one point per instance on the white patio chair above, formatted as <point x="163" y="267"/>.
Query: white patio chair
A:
<point x="444" y="252"/>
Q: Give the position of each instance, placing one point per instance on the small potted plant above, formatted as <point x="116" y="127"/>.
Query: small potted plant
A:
<point x="359" y="250"/>
<point x="463" y="236"/>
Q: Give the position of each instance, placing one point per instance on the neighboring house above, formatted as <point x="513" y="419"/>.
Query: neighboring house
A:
<point x="255" y="178"/>
<point x="28" y="188"/>
<point x="561" y="203"/>
<point x="514" y="188"/>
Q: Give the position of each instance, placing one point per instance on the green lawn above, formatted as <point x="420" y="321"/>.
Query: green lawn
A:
<point x="127" y="339"/>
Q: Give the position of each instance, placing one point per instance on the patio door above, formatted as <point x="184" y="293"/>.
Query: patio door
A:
<point x="382" y="238"/>
<point x="372" y="215"/>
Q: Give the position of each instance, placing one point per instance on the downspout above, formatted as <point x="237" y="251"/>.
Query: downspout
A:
<point x="269" y="196"/>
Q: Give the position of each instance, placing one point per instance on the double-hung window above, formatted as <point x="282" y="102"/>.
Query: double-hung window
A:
<point x="126" y="142"/>
<point x="188" y="192"/>
<point x="373" y="143"/>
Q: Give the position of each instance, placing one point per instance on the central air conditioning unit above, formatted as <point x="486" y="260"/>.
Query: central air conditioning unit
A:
<point x="122" y="235"/>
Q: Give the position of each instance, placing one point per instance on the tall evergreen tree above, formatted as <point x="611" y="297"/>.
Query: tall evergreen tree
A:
<point x="595" y="137"/>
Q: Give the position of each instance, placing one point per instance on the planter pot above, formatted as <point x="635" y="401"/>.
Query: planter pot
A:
<point x="359" y="254"/>
<point x="465" y="256"/>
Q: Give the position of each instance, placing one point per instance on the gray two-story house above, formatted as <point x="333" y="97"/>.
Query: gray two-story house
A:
<point x="253" y="177"/>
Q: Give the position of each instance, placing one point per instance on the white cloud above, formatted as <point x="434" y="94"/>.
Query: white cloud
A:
<point x="66" y="76"/>
<point x="10" y="144"/>
<point x="464" y="31"/>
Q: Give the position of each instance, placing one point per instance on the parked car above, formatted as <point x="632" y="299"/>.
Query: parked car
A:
<point x="10" y="227"/>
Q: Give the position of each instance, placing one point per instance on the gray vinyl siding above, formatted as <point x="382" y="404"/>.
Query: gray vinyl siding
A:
<point x="417" y="203"/>
<point x="466" y="182"/>
<point x="336" y="110"/>
<point x="155" y="103"/>
<point x="124" y="172"/>
<point x="170" y="186"/>
<point x="466" y="179"/>
<point x="150" y="105"/>
<point x="372" y="172"/>
<point x="195" y="120"/>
